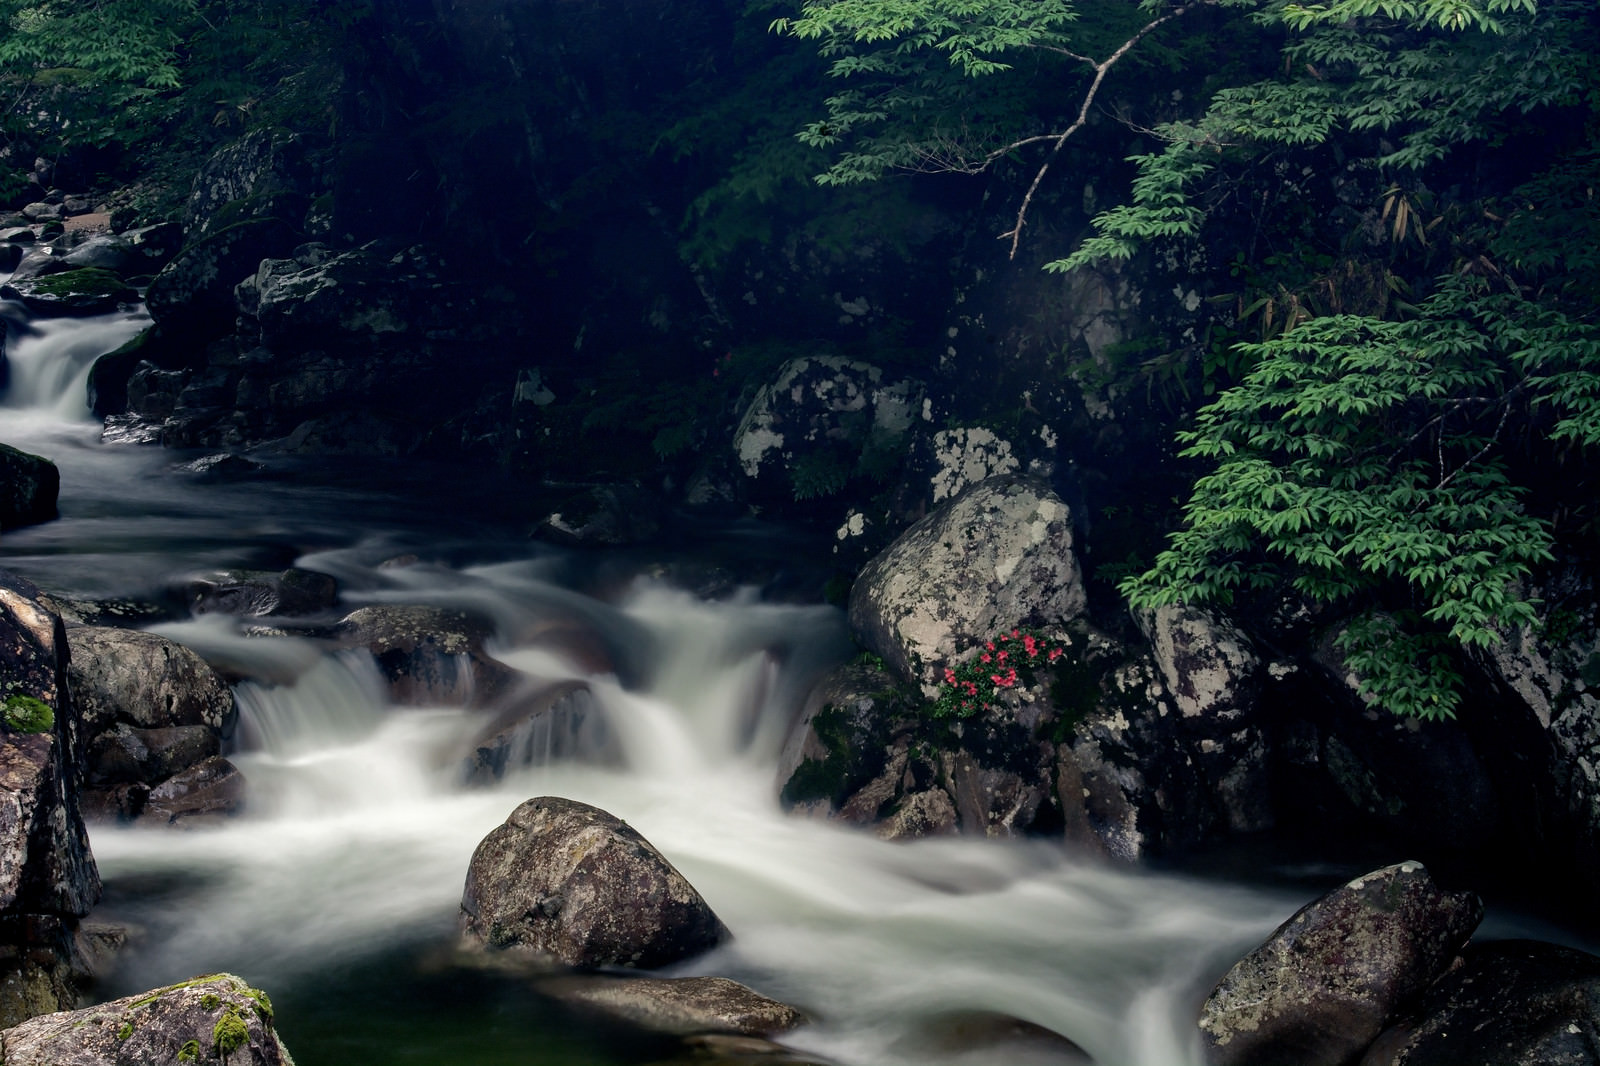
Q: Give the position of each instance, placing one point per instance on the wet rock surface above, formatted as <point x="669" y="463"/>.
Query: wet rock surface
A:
<point x="562" y="882"/>
<point x="679" y="1006"/>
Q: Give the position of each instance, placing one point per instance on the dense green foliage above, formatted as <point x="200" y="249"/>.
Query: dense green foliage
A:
<point x="1408" y="315"/>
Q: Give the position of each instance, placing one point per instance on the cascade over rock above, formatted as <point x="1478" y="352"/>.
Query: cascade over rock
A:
<point x="1332" y="977"/>
<point x="564" y="882"/>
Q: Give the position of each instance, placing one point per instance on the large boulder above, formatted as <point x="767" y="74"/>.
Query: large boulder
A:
<point x="217" y="1020"/>
<point x="563" y="882"/>
<point x="1516" y="1002"/>
<point x="1337" y="973"/>
<point x="192" y="296"/>
<point x="997" y="557"/>
<point x="335" y="300"/>
<point x="143" y="680"/>
<point x="154" y="715"/>
<point x="48" y="878"/>
<point x="29" y="487"/>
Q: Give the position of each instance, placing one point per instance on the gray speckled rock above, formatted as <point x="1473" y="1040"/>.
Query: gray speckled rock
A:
<point x="1328" y="981"/>
<point x="565" y="882"/>
<point x="144" y="680"/>
<point x="998" y="556"/>
<point x="679" y="1006"/>
<point x="209" y="1021"/>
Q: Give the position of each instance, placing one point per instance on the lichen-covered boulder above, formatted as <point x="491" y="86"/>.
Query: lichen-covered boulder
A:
<point x="1516" y="1002"/>
<point x="562" y="882"/>
<point x="1336" y="974"/>
<point x="29" y="488"/>
<point x="998" y="556"/>
<point x="261" y="175"/>
<point x="143" y="680"/>
<point x="823" y="420"/>
<point x="217" y="1020"/>
<point x="154" y="714"/>
<point x="678" y="1006"/>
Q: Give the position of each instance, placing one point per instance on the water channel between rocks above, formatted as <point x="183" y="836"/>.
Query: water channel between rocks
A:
<point x="337" y="891"/>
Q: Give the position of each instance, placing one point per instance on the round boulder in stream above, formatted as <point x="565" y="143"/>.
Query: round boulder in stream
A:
<point x="1327" y="982"/>
<point x="564" y="882"/>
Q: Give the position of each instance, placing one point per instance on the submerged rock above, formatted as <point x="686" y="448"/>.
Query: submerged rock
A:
<point x="1331" y="978"/>
<point x="564" y="882"/>
<point x="210" y="1021"/>
<point x="680" y="1006"/>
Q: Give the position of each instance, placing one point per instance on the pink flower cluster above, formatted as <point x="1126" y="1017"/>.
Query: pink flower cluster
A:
<point x="1005" y="662"/>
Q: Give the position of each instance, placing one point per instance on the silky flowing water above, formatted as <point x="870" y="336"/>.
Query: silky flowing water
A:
<point x="337" y="891"/>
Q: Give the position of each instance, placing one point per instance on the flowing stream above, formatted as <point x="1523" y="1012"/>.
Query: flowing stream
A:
<point x="337" y="891"/>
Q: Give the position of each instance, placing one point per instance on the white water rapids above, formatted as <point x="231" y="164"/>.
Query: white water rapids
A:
<point x="355" y="845"/>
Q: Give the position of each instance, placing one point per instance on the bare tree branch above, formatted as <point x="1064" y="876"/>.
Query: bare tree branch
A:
<point x="1100" y="70"/>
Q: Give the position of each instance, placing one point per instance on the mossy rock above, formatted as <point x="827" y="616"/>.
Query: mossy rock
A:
<point x="82" y="291"/>
<point x="25" y="714"/>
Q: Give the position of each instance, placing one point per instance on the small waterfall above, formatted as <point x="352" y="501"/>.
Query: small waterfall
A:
<point x="48" y="361"/>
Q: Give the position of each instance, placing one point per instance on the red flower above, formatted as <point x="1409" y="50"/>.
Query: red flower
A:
<point x="984" y="657"/>
<point x="949" y="676"/>
<point x="1001" y="657"/>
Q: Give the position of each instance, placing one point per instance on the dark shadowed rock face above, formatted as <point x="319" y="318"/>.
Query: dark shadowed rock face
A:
<point x="1515" y="1002"/>
<point x="29" y="487"/>
<point x="48" y="878"/>
<point x="208" y="1021"/>
<point x="564" y="882"/>
<point x="1328" y="981"/>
